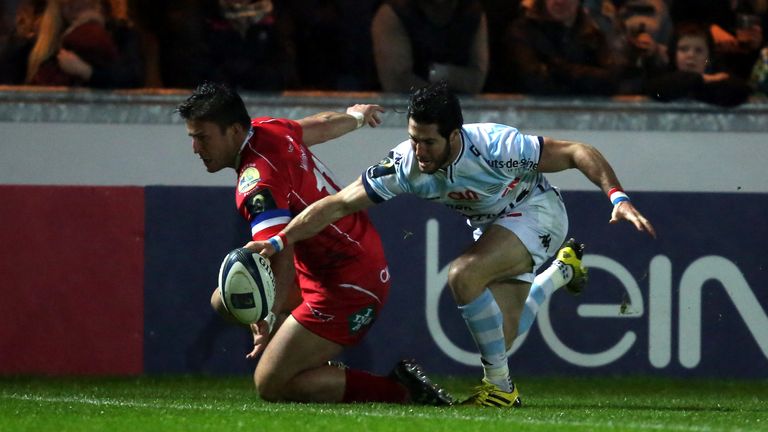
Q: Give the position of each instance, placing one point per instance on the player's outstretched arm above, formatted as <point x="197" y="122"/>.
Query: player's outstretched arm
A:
<point x="559" y="155"/>
<point x="315" y="218"/>
<point x="326" y="126"/>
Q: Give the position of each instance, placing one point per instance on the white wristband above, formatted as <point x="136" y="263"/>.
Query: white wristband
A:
<point x="360" y="117"/>
<point x="270" y="319"/>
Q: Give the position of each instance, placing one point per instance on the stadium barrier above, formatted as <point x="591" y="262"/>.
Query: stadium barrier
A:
<point x="109" y="256"/>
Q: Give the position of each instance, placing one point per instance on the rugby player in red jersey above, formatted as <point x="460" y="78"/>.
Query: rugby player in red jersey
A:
<point x="329" y="289"/>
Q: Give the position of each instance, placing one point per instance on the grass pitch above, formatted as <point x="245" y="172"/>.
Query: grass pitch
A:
<point x="230" y="404"/>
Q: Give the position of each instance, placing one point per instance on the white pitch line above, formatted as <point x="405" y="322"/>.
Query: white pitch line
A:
<point x="335" y="410"/>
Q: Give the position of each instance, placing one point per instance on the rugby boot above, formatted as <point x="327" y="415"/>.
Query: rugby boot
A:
<point x="422" y="390"/>
<point x="490" y="395"/>
<point x="570" y="254"/>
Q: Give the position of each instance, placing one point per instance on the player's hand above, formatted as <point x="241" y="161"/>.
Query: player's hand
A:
<point x="625" y="210"/>
<point x="72" y="64"/>
<point x="645" y="43"/>
<point x="263" y="248"/>
<point x="724" y="41"/>
<point x="371" y="113"/>
<point x="715" y="77"/>
<point x="261" y="338"/>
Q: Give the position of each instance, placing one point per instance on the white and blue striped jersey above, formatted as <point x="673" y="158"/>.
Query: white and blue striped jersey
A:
<point x="496" y="170"/>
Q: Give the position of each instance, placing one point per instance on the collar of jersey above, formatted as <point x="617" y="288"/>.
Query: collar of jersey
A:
<point x="449" y="169"/>
<point x="242" y="146"/>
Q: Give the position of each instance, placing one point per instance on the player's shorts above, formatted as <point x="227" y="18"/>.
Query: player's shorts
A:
<point x="541" y="223"/>
<point x="343" y="305"/>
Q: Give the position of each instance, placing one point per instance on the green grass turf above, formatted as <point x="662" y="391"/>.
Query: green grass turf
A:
<point x="230" y="404"/>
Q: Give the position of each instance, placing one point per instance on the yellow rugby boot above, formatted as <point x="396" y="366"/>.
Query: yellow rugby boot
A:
<point x="490" y="395"/>
<point x="570" y="254"/>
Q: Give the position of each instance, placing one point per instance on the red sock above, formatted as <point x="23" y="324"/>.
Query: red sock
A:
<point x="366" y="387"/>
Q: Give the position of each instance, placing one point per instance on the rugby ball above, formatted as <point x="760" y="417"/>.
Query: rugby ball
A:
<point x="247" y="285"/>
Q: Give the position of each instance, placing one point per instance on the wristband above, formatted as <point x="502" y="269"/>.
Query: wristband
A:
<point x="279" y="242"/>
<point x="617" y="195"/>
<point x="270" y="319"/>
<point x="360" y="117"/>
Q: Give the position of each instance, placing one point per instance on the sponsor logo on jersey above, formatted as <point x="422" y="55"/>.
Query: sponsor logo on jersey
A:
<point x="465" y="195"/>
<point x="362" y="318"/>
<point x="248" y="180"/>
<point x="526" y="164"/>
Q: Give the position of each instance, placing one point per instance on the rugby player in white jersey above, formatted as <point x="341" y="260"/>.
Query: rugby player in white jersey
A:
<point x="493" y="175"/>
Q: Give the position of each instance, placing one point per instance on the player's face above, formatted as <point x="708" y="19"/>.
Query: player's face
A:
<point x="217" y="149"/>
<point x="432" y="150"/>
<point x="692" y="53"/>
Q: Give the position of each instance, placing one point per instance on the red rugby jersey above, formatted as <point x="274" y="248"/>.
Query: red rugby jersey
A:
<point x="278" y="177"/>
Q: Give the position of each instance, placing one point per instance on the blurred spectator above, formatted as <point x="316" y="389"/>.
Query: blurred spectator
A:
<point x="246" y="43"/>
<point x="646" y="30"/>
<point x="79" y="42"/>
<point x="604" y="14"/>
<point x="499" y="13"/>
<point x="333" y="42"/>
<point x="247" y="47"/>
<point x="737" y="38"/>
<point x="759" y="78"/>
<point x="693" y="75"/>
<point x="557" y="49"/>
<point x="4" y="27"/>
<point x="173" y="40"/>
<point x="421" y="41"/>
<point x="14" y="55"/>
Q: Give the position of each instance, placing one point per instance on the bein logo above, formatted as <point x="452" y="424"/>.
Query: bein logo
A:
<point x="659" y="310"/>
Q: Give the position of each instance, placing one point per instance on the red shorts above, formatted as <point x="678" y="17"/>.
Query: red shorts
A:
<point x="342" y="305"/>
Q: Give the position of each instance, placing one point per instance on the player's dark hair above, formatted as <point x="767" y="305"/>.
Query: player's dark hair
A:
<point x="217" y="103"/>
<point x="436" y="104"/>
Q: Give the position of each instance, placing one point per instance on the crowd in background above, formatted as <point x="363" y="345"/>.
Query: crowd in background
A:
<point x="709" y="50"/>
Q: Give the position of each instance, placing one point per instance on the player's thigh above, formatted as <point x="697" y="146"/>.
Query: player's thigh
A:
<point x="497" y="255"/>
<point x="292" y="350"/>
<point x="534" y="233"/>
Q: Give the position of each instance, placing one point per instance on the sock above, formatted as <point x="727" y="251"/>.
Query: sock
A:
<point x="362" y="386"/>
<point x="483" y="317"/>
<point x="544" y="284"/>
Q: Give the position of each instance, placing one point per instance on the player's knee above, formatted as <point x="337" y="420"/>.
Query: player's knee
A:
<point x="267" y="387"/>
<point x="465" y="279"/>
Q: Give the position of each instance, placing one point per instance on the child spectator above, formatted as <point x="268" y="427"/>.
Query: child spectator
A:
<point x="737" y="41"/>
<point x="693" y="76"/>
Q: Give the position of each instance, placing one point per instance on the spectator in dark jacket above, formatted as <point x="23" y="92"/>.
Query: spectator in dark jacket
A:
<point x="249" y="48"/>
<point x="556" y="49"/>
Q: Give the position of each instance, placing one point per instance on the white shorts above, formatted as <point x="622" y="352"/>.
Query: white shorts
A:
<point x="541" y="223"/>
